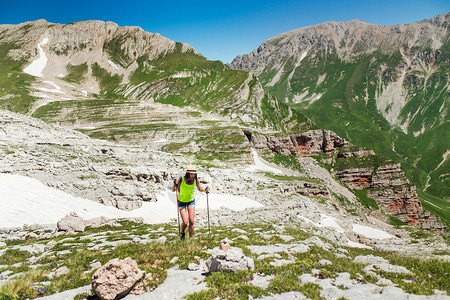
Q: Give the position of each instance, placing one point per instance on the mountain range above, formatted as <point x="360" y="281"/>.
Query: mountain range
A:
<point x="384" y="89"/>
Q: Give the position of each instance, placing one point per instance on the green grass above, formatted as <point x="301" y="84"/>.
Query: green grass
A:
<point x="348" y="107"/>
<point x="372" y="162"/>
<point x="108" y="82"/>
<point x="14" y="84"/>
<point x="155" y="258"/>
<point x="173" y="147"/>
<point x="395" y="221"/>
<point x="365" y="200"/>
<point x="439" y="207"/>
<point x="76" y="74"/>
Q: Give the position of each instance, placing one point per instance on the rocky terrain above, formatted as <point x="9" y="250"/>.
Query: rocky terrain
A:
<point x="114" y="114"/>
<point x="381" y="87"/>
<point x="76" y="65"/>
<point x="302" y="213"/>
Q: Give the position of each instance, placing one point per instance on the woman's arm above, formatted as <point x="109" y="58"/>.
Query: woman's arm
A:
<point x="176" y="183"/>
<point x="200" y="188"/>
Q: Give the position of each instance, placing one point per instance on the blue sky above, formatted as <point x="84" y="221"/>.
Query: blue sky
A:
<point x="221" y="30"/>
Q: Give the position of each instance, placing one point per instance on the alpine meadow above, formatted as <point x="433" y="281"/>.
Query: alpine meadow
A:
<point x="326" y="150"/>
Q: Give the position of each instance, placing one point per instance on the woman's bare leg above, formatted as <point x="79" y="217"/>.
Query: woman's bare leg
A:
<point x="184" y="219"/>
<point x="191" y="211"/>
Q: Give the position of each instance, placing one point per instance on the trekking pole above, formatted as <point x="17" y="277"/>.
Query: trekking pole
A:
<point x="178" y="210"/>
<point x="207" y="206"/>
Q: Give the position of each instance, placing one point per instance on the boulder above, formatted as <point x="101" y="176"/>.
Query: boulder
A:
<point x="116" y="278"/>
<point x="71" y="223"/>
<point x="233" y="259"/>
<point x="370" y="259"/>
<point x="387" y="268"/>
<point x="98" y="222"/>
<point x="50" y="245"/>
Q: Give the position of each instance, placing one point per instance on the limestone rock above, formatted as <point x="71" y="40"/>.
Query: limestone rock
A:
<point x="369" y="259"/>
<point x="72" y="223"/>
<point x="50" y="245"/>
<point x="306" y="143"/>
<point x="232" y="260"/>
<point x="116" y="278"/>
<point x="387" y="268"/>
<point x="98" y="222"/>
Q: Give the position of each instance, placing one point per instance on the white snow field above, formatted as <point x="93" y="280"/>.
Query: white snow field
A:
<point x="25" y="200"/>
<point x="260" y="165"/>
<point x="38" y="65"/>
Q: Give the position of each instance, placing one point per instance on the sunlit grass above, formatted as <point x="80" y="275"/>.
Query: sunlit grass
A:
<point x="155" y="258"/>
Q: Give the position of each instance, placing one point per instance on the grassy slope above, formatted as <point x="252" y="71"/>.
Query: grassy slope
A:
<point x="14" y="84"/>
<point x="155" y="258"/>
<point x="342" y="108"/>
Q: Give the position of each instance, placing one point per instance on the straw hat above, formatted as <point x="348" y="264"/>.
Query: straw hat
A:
<point x="191" y="169"/>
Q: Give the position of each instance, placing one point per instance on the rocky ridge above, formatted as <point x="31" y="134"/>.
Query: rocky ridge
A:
<point x="75" y="64"/>
<point x="361" y="80"/>
<point x="386" y="183"/>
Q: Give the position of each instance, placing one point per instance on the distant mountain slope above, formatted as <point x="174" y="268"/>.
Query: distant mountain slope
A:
<point x="382" y="87"/>
<point x="108" y="80"/>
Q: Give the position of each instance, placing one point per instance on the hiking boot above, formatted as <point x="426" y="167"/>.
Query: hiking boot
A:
<point x="182" y="236"/>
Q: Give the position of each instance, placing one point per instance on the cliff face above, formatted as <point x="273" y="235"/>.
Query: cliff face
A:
<point x="362" y="80"/>
<point x="302" y="144"/>
<point x="393" y="193"/>
<point x="384" y="181"/>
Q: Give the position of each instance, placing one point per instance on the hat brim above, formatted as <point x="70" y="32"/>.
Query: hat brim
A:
<point x="191" y="171"/>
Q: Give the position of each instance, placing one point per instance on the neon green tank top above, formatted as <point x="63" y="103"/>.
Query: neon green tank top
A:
<point x="186" y="191"/>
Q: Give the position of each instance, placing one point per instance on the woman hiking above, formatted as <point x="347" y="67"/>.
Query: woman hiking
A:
<point x="186" y="202"/>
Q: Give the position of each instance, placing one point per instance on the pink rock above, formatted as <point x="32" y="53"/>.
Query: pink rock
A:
<point x="224" y="246"/>
<point x="116" y="278"/>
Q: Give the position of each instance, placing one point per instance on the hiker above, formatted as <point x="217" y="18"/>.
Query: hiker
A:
<point x="186" y="202"/>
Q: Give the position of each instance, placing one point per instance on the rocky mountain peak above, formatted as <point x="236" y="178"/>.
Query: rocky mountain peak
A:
<point x="391" y="75"/>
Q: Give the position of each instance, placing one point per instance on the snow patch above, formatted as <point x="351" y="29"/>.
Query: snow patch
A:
<point x="25" y="200"/>
<point x="325" y="221"/>
<point x="372" y="233"/>
<point x="260" y="165"/>
<point x="113" y="65"/>
<point x="38" y="65"/>
<point x="56" y="88"/>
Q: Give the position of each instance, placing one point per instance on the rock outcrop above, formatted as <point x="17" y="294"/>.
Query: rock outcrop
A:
<point x="302" y="144"/>
<point x="393" y="192"/>
<point x="71" y="223"/>
<point x="116" y="278"/>
<point x="385" y="181"/>
<point x="227" y="258"/>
